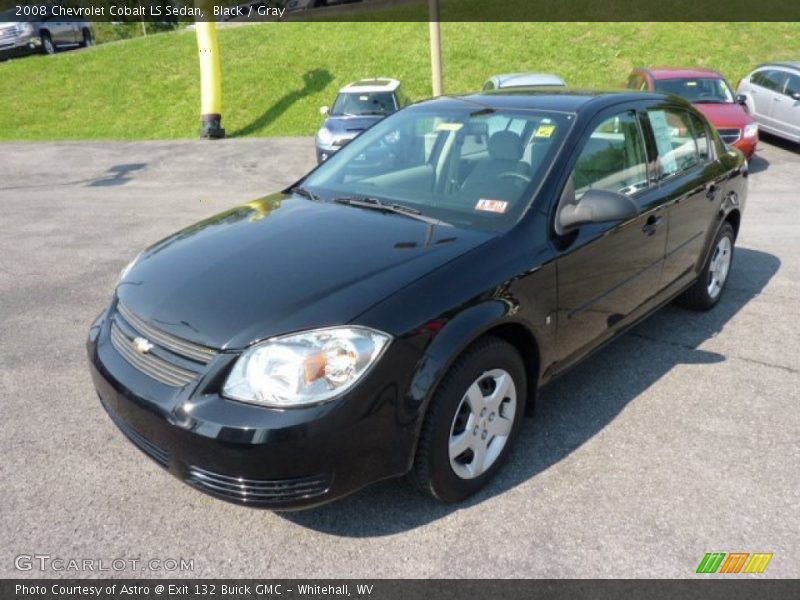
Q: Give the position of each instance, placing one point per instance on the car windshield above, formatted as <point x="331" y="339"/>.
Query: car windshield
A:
<point x="703" y="89"/>
<point x="363" y="103"/>
<point x="458" y="162"/>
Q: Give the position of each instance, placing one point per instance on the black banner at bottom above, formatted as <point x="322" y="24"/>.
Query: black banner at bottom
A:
<point x="385" y="589"/>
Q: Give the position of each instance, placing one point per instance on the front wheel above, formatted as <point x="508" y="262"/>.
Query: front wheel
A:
<point x="472" y="422"/>
<point x="707" y="290"/>
<point x="48" y="47"/>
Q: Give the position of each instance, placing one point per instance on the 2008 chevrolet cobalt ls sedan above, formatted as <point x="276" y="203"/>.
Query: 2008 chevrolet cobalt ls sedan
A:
<point x="395" y="311"/>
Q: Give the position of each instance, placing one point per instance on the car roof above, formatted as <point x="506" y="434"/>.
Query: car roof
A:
<point x="526" y="79"/>
<point x="564" y="100"/>
<point x="680" y="73"/>
<point x="792" y="64"/>
<point x="382" y="84"/>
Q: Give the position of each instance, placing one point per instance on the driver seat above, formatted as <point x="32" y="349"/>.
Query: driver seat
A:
<point x="505" y="153"/>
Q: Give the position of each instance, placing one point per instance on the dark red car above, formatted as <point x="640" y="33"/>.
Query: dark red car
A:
<point x="710" y="93"/>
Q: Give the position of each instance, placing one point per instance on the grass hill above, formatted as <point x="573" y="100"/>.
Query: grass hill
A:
<point x="277" y="75"/>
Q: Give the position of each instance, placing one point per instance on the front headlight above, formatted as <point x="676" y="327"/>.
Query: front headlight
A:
<point x="751" y="130"/>
<point x="304" y="368"/>
<point x="25" y="28"/>
<point x="325" y="137"/>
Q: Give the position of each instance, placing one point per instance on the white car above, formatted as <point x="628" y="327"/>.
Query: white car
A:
<point x="519" y="80"/>
<point x="771" y="94"/>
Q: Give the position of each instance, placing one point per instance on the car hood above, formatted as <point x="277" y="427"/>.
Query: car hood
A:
<point x="725" y="115"/>
<point x="351" y="126"/>
<point x="282" y="264"/>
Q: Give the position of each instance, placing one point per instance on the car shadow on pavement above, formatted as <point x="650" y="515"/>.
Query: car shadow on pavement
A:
<point x="569" y="412"/>
<point x="757" y="164"/>
<point x="779" y="142"/>
<point x="313" y="82"/>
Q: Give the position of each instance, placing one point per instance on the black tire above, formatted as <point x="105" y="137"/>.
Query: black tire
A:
<point x="698" y="297"/>
<point x="48" y="47"/>
<point x="432" y="472"/>
<point x="88" y="39"/>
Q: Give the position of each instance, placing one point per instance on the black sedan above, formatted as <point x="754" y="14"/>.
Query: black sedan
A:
<point x="396" y="310"/>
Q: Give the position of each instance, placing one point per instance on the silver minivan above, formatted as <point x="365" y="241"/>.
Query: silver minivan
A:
<point x="771" y="94"/>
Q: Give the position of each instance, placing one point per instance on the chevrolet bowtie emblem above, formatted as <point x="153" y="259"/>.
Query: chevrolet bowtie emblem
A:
<point x="141" y="345"/>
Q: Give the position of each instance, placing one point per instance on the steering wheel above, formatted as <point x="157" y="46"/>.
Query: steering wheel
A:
<point x="514" y="174"/>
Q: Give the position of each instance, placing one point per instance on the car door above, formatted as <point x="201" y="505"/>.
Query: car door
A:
<point x="60" y="31"/>
<point x="690" y="179"/>
<point x="767" y="85"/>
<point x="786" y="109"/>
<point x="607" y="272"/>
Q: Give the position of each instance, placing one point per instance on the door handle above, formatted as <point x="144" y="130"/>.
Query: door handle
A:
<point x="711" y="192"/>
<point x="652" y="224"/>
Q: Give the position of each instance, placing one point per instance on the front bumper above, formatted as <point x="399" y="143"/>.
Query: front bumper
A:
<point x="747" y="146"/>
<point x="20" y="47"/>
<point x="324" y="152"/>
<point x="247" y="454"/>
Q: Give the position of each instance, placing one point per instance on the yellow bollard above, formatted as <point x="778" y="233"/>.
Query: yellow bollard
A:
<point x="210" y="80"/>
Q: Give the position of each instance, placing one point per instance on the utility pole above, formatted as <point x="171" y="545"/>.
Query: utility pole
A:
<point x="210" y="76"/>
<point x="436" y="46"/>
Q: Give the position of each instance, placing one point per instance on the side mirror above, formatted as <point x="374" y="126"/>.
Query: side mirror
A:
<point x="324" y="110"/>
<point x="597" y="206"/>
<point x="741" y="99"/>
<point x="795" y="95"/>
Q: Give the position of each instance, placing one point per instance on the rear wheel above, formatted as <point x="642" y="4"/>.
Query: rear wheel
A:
<point x="707" y="290"/>
<point x="88" y="39"/>
<point x="48" y="47"/>
<point x="472" y="422"/>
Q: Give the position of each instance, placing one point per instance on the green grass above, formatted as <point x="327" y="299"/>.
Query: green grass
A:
<point x="277" y="75"/>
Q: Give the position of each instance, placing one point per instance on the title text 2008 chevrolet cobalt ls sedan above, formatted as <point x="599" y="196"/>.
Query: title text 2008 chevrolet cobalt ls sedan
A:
<point x="397" y="309"/>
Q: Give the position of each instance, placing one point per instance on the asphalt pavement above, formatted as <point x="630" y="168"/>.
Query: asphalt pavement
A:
<point x="681" y="438"/>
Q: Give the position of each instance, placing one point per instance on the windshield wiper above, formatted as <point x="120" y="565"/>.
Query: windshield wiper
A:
<point x="304" y="192"/>
<point x="390" y="207"/>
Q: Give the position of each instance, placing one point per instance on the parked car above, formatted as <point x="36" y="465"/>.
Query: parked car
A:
<point x="771" y="94"/>
<point x="711" y="94"/>
<point x="46" y="37"/>
<point x="396" y="310"/>
<point x="512" y="80"/>
<point x="357" y="107"/>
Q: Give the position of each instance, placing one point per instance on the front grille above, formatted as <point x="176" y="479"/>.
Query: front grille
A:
<point x="150" y="364"/>
<point x="155" y="452"/>
<point x="7" y="34"/>
<point x="730" y="136"/>
<point x="170" y="342"/>
<point x="261" y="491"/>
<point x="171" y="360"/>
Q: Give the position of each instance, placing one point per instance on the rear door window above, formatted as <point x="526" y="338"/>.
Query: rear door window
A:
<point x="675" y="141"/>
<point x="613" y="158"/>
<point x="700" y="132"/>
<point x="792" y="84"/>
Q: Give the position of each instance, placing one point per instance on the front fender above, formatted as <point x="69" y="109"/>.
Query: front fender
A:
<point x="448" y="344"/>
